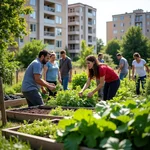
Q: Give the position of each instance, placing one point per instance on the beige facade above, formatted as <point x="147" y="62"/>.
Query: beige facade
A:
<point x="49" y="23"/>
<point x="121" y="23"/>
<point x="81" y="26"/>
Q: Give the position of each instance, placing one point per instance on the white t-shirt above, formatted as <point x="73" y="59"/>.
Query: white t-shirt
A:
<point x="139" y="67"/>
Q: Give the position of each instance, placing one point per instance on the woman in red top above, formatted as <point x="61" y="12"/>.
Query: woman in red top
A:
<point x="105" y="74"/>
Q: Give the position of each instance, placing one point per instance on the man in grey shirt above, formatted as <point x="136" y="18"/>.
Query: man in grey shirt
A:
<point x="33" y="81"/>
<point x="65" y="68"/>
<point x="123" y="66"/>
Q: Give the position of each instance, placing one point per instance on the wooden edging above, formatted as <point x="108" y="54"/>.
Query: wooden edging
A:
<point x="35" y="142"/>
<point x="15" y="102"/>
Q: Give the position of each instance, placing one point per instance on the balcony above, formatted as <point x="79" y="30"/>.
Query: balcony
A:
<point x="90" y="14"/>
<point x="89" y="40"/>
<point x="76" y="31"/>
<point x="50" y="9"/>
<point x="47" y="33"/>
<point x="75" y="13"/>
<point x="50" y="47"/>
<point x="90" y="23"/>
<point x="49" y="21"/>
<point x="73" y="22"/>
<point x="74" y="41"/>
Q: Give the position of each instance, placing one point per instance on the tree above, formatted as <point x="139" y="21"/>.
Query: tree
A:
<point x="135" y="41"/>
<point x="29" y="52"/>
<point x="12" y="26"/>
<point x="99" y="44"/>
<point x="85" y="51"/>
<point x="112" y="49"/>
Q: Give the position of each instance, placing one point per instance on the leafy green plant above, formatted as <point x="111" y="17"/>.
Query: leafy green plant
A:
<point x="147" y="89"/>
<point x="79" y="80"/>
<point x="17" y="87"/>
<point x="58" y="111"/>
<point x="13" y="144"/>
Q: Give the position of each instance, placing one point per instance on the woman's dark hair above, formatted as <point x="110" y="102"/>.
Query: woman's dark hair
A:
<point x="44" y="53"/>
<point x="94" y="72"/>
<point x="136" y="55"/>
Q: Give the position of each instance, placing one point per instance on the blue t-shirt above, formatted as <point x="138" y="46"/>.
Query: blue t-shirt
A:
<point x="29" y="83"/>
<point x="52" y="72"/>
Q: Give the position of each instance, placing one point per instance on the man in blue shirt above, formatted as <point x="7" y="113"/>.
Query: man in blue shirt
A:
<point x="33" y="81"/>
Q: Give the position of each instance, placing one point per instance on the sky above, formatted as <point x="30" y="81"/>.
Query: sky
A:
<point x="107" y="8"/>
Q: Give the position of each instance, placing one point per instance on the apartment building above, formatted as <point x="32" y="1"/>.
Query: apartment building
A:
<point x="81" y="26"/>
<point x="49" y="23"/>
<point x="120" y="24"/>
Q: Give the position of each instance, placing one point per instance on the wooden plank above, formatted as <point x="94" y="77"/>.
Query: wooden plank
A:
<point x="2" y="104"/>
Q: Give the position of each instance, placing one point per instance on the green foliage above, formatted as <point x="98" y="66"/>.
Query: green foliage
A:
<point x="13" y="144"/>
<point x="85" y="51"/>
<point x="71" y="98"/>
<point x="12" y="24"/>
<point x="7" y="65"/>
<point x="108" y="60"/>
<point x="17" y="87"/>
<point x="79" y="80"/>
<point x="99" y="44"/>
<point x="112" y="49"/>
<point x="29" y="52"/>
<point x="58" y="111"/>
<point x="135" y="41"/>
<point x="147" y="88"/>
<point x="40" y="128"/>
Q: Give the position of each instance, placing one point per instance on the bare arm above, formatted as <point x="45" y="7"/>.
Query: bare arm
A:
<point x="45" y="71"/>
<point x="42" y="82"/>
<point x="70" y="75"/>
<point x="133" y="71"/>
<point x="147" y="69"/>
<point x="120" y="67"/>
<point x="102" y="80"/>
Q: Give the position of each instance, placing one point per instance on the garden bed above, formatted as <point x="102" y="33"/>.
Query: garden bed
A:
<point x="34" y="113"/>
<point x="15" y="102"/>
<point x="36" y="142"/>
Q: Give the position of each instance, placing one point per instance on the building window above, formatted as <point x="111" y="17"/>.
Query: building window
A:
<point x="114" y="25"/>
<point x="33" y="27"/>
<point x="130" y="16"/>
<point x="82" y="36"/>
<point x="121" y="17"/>
<point x="94" y="30"/>
<point x="81" y="27"/>
<point x="81" y="17"/>
<point x="21" y="40"/>
<point x="94" y="21"/>
<point x="147" y="30"/>
<point x="122" y="24"/>
<point x="81" y="9"/>
<point x="58" y="43"/>
<point x="32" y="38"/>
<point x="122" y="31"/>
<point x="148" y="23"/>
<point x="94" y="13"/>
<point x="58" y="8"/>
<point x="58" y="31"/>
<point x="58" y="20"/>
<point x="33" y="15"/>
<point x="148" y="16"/>
<point x="115" y="18"/>
<point x="115" y="31"/>
<point x="32" y="2"/>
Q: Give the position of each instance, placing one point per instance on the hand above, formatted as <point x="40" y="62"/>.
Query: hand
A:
<point x="70" y="79"/>
<point x="90" y="94"/>
<point x="80" y="94"/>
<point x="44" y="91"/>
<point x="133" y="78"/>
<point x="60" y="81"/>
<point x="52" y="86"/>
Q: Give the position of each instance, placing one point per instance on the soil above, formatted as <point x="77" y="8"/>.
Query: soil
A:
<point x="33" y="111"/>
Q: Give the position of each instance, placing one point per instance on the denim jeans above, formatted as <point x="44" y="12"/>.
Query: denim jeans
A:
<point x="65" y="81"/>
<point x="138" y="80"/>
<point x="122" y="75"/>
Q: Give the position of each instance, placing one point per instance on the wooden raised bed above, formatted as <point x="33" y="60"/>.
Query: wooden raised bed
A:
<point x="15" y="102"/>
<point x="20" y="116"/>
<point x="36" y="142"/>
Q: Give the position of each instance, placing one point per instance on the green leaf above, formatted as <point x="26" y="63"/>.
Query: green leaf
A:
<point x="121" y="129"/>
<point x="73" y="141"/>
<point x="140" y="142"/>
<point x="123" y="118"/>
<point x="125" y="144"/>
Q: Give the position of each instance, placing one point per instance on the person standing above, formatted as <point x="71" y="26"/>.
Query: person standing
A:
<point x="139" y="72"/>
<point x="123" y="66"/>
<point x="51" y="72"/>
<point x="100" y="92"/>
<point x="65" y="67"/>
<point x="107" y="76"/>
<point x="32" y="80"/>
